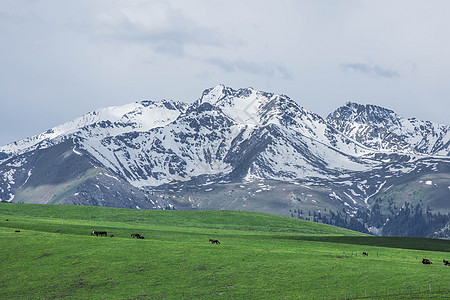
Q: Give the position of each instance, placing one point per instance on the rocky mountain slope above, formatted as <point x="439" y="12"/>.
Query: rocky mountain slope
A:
<point x="381" y="129"/>
<point x="235" y="149"/>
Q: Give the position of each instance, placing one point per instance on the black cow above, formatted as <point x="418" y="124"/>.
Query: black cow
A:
<point x="214" y="241"/>
<point x="99" y="233"/>
<point x="426" y="261"/>
<point x="446" y="263"/>
<point x="140" y="237"/>
<point x="365" y="253"/>
<point x="135" y="235"/>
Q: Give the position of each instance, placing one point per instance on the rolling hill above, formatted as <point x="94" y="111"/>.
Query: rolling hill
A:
<point x="259" y="256"/>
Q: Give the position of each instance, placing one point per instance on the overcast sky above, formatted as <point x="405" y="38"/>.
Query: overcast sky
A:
<point x="61" y="59"/>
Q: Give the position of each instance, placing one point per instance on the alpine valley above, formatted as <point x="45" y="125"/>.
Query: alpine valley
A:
<point x="363" y="167"/>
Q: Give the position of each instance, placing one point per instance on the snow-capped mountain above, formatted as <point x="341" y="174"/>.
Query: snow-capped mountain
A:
<point x="254" y="150"/>
<point x="382" y="129"/>
<point x="104" y="122"/>
<point x="231" y="133"/>
<point x="79" y="172"/>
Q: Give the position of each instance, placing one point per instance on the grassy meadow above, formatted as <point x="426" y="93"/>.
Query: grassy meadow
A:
<point x="261" y="256"/>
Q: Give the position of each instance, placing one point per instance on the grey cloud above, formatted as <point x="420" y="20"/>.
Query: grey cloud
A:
<point x="157" y="25"/>
<point x="240" y="65"/>
<point x="285" y="73"/>
<point x="374" y="70"/>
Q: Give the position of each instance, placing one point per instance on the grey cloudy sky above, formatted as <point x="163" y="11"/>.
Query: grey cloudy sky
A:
<point x="61" y="59"/>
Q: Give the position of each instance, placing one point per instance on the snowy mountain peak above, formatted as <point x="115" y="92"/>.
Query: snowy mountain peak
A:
<point x="365" y="114"/>
<point x="382" y="129"/>
<point x="103" y="122"/>
<point x="221" y="93"/>
<point x="249" y="107"/>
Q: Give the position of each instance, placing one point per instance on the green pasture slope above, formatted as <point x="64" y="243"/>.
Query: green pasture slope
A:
<point x="261" y="256"/>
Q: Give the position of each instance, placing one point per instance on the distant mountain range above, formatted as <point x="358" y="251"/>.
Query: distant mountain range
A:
<point x="242" y="150"/>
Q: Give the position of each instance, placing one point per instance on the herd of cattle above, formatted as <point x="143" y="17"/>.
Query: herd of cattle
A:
<point x="138" y="236"/>
<point x="104" y="233"/>
<point x="426" y="261"/>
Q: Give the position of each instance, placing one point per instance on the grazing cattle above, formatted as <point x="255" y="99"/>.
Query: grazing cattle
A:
<point x="426" y="261"/>
<point x="112" y="235"/>
<point x="446" y="263"/>
<point x="365" y="253"/>
<point x="214" y="241"/>
<point x="140" y="237"/>
<point x="17" y="230"/>
<point x="135" y="235"/>
<point x="99" y="233"/>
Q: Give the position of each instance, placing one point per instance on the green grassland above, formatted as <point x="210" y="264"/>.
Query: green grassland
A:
<point x="261" y="256"/>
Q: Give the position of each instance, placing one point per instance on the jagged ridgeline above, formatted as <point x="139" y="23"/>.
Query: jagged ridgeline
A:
<point x="242" y="150"/>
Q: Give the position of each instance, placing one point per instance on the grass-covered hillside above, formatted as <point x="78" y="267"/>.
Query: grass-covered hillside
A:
<point x="260" y="256"/>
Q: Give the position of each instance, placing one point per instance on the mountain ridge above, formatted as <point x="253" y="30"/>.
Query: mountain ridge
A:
<point x="382" y="129"/>
<point x="287" y="158"/>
